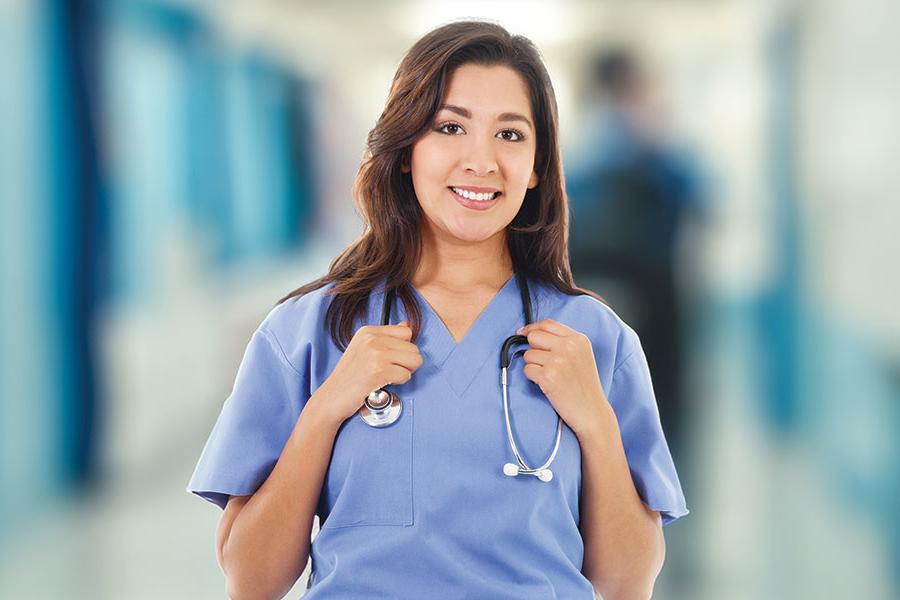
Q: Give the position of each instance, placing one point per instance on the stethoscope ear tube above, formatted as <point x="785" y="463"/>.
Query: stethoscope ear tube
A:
<point x="509" y="469"/>
<point x="504" y="352"/>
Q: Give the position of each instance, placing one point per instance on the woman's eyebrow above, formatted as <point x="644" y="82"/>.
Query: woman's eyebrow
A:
<point x="507" y="116"/>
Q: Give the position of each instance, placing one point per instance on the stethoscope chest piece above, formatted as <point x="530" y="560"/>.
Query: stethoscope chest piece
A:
<point x="381" y="408"/>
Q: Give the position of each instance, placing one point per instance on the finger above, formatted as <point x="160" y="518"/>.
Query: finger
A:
<point x="534" y="356"/>
<point x="408" y="360"/>
<point x="398" y="375"/>
<point x="399" y="351"/>
<point x="534" y="373"/>
<point x="401" y="330"/>
<point x="549" y="325"/>
<point x="399" y="345"/>
<point x="538" y="338"/>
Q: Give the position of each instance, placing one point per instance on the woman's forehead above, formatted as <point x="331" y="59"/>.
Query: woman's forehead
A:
<point x="487" y="91"/>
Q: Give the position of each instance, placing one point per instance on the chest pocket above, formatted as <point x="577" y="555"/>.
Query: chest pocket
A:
<point x="369" y="480"/>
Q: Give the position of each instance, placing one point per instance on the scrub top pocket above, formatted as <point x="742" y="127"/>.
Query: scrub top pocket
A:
<point x="370" y="479"/>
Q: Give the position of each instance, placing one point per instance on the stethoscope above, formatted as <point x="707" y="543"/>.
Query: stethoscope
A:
<point x="383" y="407"/>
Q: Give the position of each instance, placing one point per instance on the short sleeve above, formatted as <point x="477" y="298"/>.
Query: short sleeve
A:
<point x="255" y="423"/>
<point x="649" y="459"/>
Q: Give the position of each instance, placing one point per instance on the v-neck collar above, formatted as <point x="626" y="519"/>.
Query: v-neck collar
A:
<point x="459" y="362"/>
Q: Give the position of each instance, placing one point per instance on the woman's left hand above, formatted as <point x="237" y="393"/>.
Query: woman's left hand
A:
<point x="561" y="361"/>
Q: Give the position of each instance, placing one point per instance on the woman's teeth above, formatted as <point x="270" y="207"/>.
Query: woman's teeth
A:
<point x="473" y="195"/>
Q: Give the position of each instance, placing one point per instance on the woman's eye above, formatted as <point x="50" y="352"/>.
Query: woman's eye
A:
<point x="453" y="127"/>
<point x="518" y="136"/>
<point x="510" y="135"/>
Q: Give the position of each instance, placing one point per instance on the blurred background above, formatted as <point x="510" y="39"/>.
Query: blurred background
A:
<point x="169" y="169"/>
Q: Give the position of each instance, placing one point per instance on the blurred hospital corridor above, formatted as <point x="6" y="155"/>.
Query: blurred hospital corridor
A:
<point x="169" y="169"/>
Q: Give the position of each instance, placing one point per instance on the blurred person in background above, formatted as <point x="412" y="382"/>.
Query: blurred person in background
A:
<point x="630" y="193"/>
<point x="466" y="222"/>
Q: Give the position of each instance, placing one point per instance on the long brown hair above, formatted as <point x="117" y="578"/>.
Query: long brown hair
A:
<point x="390" y="246"/>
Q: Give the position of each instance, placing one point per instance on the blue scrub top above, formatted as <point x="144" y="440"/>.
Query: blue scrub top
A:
<point x="423" y="504"/>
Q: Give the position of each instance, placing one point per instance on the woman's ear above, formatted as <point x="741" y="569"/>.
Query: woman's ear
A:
<point x="533" y="181"/>
<point x="404" y="168"/>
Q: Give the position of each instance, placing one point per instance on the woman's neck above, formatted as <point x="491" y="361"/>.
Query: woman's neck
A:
<point x="461" y="266"/>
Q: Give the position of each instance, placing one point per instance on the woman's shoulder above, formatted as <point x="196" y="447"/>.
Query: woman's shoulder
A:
<point x="299" y="317"/>
<point x="608" y="332"/>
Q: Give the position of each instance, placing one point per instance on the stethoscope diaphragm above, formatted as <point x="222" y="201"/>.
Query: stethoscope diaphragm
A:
<point x="381" y="408"/>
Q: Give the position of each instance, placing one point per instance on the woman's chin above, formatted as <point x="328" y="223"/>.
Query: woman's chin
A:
<point x="472" y="235"/>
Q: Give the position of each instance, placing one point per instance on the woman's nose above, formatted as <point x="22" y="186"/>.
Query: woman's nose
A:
<point x="480" y="157"/>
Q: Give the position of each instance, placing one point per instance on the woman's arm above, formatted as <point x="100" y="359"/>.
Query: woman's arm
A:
<point x="624" y="546"/>
<point x="263" y="543"/>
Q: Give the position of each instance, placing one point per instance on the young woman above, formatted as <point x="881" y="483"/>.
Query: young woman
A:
<point x="551" y="480"/>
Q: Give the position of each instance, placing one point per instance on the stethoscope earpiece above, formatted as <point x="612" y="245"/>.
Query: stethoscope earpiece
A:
<point x="511" y="470"/>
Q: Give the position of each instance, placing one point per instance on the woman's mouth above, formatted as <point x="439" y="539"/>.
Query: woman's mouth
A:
<point x="473" y="200"/>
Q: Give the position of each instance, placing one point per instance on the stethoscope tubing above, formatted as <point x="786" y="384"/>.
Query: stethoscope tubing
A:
<point x="382" y="407"/>
<point x="524" y="468"/>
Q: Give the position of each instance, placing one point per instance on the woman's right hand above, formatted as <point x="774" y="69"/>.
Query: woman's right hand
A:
<point x="377" y="355"/>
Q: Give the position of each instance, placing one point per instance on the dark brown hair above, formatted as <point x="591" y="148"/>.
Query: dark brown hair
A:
<point x="390" y="246"/>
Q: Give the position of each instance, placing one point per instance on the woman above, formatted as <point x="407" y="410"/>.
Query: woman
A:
<point x="461" y="191"/>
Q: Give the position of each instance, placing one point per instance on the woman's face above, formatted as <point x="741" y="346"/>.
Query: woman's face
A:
<point x="482" y="141"/>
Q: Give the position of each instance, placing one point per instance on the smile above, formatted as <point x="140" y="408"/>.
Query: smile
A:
<point x="473" y="200"/>
<point x="474" y="195"/>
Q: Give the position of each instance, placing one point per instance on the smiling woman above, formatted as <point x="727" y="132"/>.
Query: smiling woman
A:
<point x="467" y="224"/>
<point x="470" y="107"/>
<point x="472" y="152"/>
